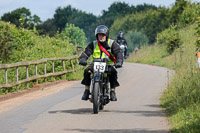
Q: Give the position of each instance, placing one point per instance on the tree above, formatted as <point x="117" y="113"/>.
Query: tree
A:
<point x="36" y="20"/>
<point x="136" y="40"/>
<point x="177" y="10"/>
<point x="74" y="34"/>
<point x="64" y="15"/>
<point x="116" y="10"/>
<point x="48" y="27"/>
<point x="76" y="17"/>
<point x="170" y="38"/>
<point x="21" y="14"/>
<point x="149" y="22"/>
<point x="145" y="7"/>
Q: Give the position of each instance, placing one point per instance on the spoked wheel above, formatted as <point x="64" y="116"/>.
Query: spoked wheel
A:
<point x="96" y="98"/>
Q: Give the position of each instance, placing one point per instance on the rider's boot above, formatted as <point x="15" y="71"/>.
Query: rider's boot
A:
<point x="113" y="96"/>
<point x="86" y="93"/>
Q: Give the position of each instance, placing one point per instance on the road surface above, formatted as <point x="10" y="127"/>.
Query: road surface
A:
<point x="136" y="111"/>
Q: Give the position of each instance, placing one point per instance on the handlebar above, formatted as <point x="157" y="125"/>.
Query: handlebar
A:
<point x="100" y="60"/>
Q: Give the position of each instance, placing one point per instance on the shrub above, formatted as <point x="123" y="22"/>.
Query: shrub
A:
<point x="75" y="35"/>
<point x="170" y="38"/>
<point x="14" y="40"/>
<point x="198" y="33"/>
<point x="189" y="14"/>
<point x="136" y="39"/>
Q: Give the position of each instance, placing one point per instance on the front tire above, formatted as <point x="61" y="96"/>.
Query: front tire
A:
<point x="96" y="98"/>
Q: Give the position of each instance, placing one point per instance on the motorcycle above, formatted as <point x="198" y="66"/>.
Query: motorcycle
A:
<point x="100" y="84"/>
<point x="123" y="49"/>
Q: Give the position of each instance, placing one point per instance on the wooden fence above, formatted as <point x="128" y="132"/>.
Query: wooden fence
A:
<point x="26" y="64"/>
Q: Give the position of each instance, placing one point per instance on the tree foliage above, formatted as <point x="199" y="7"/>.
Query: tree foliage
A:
<point x="136" y="40"/>
<point x="118" y="10"/>
<point x="189" y="14"/>
<point x="19" y="44"/>
<point x="177" y="10"/>
<point x="48" y="27"/>
<point x="146" y="19"/>
<point x="198" y="34"/>
<point x="74" y="16"/>
<point x="88" y="22"/>
<point x="12" y="40"/>
<point x="74" y="34"/>
<point x="149" y="22"/>
<point x="6" y="45"/>
<point x="21" y="17"/>
<point x="169" y="37"/>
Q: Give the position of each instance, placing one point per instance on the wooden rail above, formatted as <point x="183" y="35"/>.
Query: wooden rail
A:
<point x="36" y="76"/>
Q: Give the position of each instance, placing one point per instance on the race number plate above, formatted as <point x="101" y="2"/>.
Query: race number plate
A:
<point x="101" y="66"/>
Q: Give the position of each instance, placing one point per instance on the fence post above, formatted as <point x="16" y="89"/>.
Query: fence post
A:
<point x="63" y="63"/>
<point x="72" y="65"/>
<point x="77" y="63"/>
<point x="27" y="76"/>
<point x="6" y="81"/>
<point x="17" y="77"/>
<point x="45" y="70"/>
<point x="52" y="66"/>
<point x="36" y="73"/>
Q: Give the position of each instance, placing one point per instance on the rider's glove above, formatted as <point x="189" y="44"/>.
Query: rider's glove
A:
<point x="83" y="62"/>
<point x="119" y="63"/>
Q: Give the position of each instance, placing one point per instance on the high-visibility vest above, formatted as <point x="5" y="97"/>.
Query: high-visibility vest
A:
<point x="97" y="51"/>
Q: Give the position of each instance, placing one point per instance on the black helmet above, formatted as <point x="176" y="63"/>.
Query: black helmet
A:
<point x="102" y="29"/>
<point x="121" y="33"/>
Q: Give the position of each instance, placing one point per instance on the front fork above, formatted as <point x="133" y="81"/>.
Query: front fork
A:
<point x="96" y="77"/>
<point x="99" y="77"/>
<point x="104" y="86"/>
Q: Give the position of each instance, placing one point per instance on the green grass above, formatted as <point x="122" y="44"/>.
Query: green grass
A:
<point x="181" y="100"/>
<point x="78" y="75"/>
<point x="149" y="55"/>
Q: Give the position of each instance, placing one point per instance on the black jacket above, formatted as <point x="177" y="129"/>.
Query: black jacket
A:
<point x="121" y="40"/>
<point x="115" y="50"/>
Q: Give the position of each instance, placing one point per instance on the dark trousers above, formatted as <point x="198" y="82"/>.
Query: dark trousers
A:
<point x="112" y="77"/>
<point x="125" y="52"/>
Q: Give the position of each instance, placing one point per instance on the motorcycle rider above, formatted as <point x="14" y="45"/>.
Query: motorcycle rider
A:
<point x="102" y="36"/>
<point x="121" y="40"/>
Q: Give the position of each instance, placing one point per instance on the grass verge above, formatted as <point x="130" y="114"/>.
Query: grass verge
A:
<point x="181" y="100"/>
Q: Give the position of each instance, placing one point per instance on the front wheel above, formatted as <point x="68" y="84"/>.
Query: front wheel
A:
<point x="96" y="98"/>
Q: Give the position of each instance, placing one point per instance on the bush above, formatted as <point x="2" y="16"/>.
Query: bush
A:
<point x="14" y="40"/>
<point x="75" y="35"/>
<point x="136" y="39"/>
<point x="170" y="38"/>
<point x="198" y="33"/>
<point x="189" y="14"/>
<point x="19" y="44"/>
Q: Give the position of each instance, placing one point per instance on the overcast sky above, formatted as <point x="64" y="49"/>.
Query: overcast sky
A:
<point x="46" y="8"/>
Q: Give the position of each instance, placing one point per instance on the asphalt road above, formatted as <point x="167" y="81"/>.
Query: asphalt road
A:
<point x="136" y="111"/>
